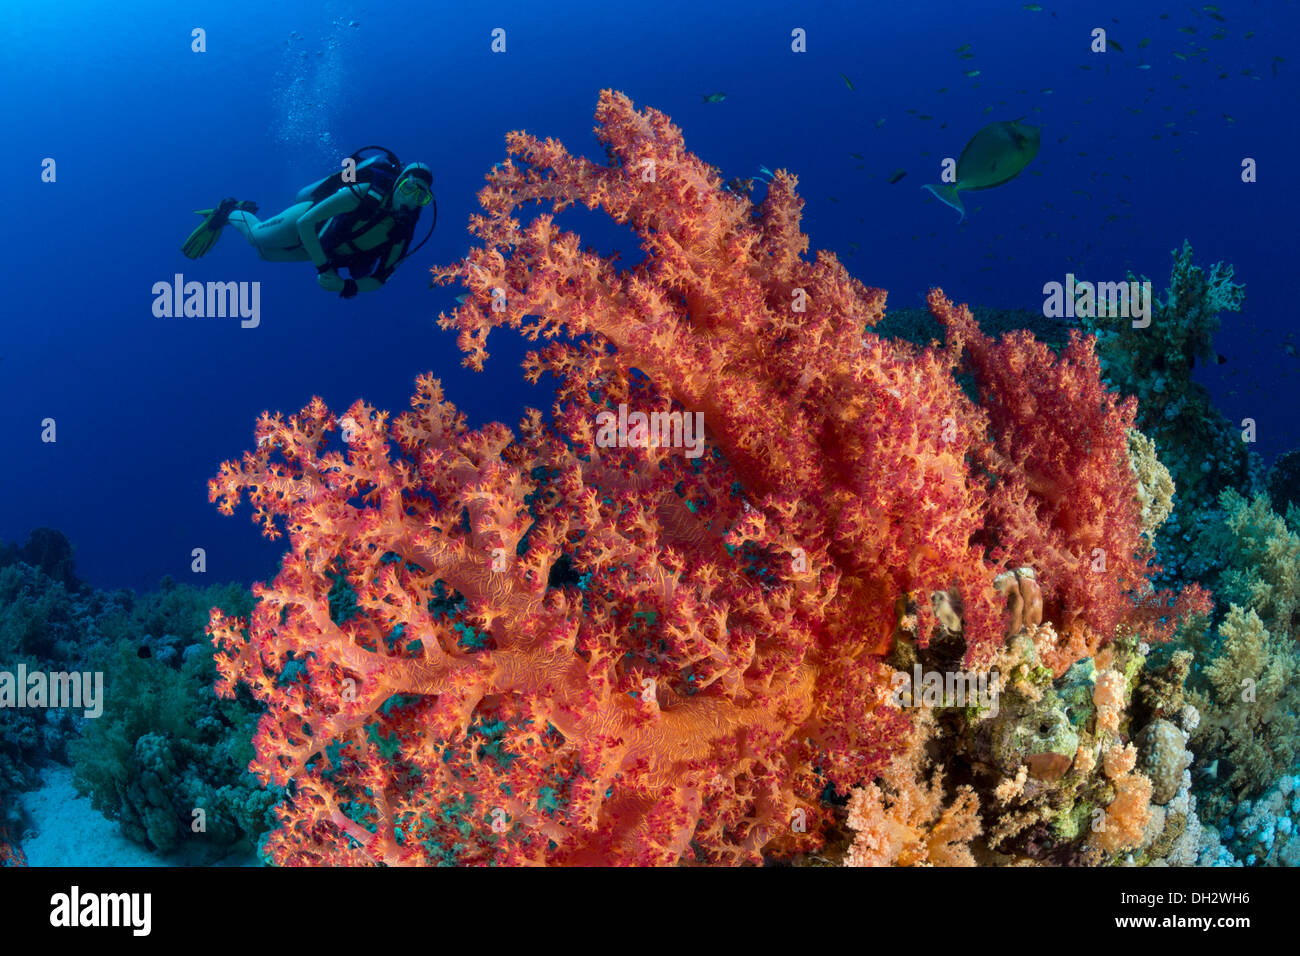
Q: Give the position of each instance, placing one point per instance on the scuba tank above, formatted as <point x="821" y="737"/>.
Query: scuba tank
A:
<point x="381" y="167"/>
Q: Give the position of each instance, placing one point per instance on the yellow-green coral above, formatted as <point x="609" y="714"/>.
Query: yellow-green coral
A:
<point x="1155" y="484"/>
<point x="1246" y="683"/>
<point x="1263" y="556"/>
<point x="165" y="746"/>
<point x="1249" y="706"/>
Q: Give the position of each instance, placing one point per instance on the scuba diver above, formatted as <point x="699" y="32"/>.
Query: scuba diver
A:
<point x="364" y="224"/>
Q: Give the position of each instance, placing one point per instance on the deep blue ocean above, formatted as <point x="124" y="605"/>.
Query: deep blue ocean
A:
<point x="1141" y="148"/>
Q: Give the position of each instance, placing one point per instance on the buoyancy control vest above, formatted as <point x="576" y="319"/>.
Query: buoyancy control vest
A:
<point x="375" y="203"/>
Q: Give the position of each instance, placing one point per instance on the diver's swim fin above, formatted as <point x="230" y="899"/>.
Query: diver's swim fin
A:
<point x="203" y="238"/>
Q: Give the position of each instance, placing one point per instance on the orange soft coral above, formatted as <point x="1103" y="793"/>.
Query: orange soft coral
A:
<point x="550" y="650"/>
<point x="677" y="700"/>
<point x="902" y="820"/>
<point x="1066" y="499"/>
<point x="1126" y="816"/>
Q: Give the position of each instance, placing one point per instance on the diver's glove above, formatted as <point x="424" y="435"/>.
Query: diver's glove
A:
<point x="349" y="289"/>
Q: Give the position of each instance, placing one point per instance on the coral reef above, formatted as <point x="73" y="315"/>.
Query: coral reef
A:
<point x="1164" y="758"/>
<point x="1155" y="484"/>
<point x="165" y="746"/>
<point x="902" y="820"/>
<point x="41" y="626"/>
<point x="1062" y="773"/>
<point x="559" y="648"/>
<point x="1266" y="831"/>
<point x="47" y="550"/>
<point x="1249" y="700"/>
<point x="1245" y="682"/>
<point x="1203" y="451"/>
<point x="1283" y="483"/>
<point x="10" y="853"/>
<point x="920" y="327"/>
<point x="1055" y="756"/>
<point x="1261" y="557"/>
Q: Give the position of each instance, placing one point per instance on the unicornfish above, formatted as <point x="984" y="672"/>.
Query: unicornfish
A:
<point x="995" y="155"/>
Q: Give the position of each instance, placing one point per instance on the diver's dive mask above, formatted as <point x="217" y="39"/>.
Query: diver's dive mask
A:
<point x="414" y="192"/>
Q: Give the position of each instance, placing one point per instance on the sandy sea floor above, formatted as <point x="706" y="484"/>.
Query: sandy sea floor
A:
<point x="67" y="831"/>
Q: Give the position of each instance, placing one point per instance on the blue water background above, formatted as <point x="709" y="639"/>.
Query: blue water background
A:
<point x="144" y="131"/>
